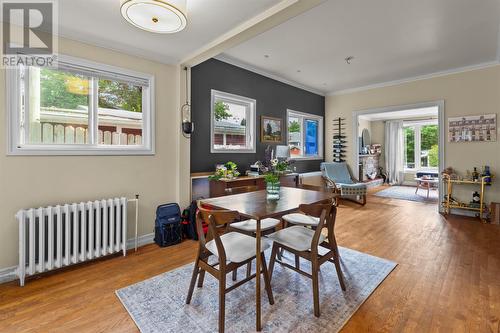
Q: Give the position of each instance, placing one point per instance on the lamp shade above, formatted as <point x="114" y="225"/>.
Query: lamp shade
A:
<point x="159" y="16"/>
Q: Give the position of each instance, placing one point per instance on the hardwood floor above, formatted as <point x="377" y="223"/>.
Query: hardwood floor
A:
<point x="447" y="278"/>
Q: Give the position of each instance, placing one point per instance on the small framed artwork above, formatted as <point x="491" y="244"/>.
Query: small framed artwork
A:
<point x="473" y="128"/>
<point x="271" y="129"/>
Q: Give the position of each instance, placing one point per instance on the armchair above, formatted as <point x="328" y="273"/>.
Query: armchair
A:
<point x="337" y="176"/>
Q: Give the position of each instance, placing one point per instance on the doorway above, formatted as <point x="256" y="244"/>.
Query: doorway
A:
<point x="407" y="142"/>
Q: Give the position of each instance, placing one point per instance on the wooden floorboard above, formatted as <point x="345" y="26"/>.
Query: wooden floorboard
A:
<point x="447" y="278"/>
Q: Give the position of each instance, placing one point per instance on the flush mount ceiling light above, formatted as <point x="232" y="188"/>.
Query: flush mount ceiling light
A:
<point x="159" y="16"/>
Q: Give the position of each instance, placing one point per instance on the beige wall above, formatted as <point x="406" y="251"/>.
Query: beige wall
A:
<point x="468" y="93"/>
<point x="33" y="181"/>
<point x="362" y="124"/>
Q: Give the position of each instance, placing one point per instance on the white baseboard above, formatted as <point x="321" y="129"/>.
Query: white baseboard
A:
<point x="9" y="274"/>
<point x="141" y="240"/>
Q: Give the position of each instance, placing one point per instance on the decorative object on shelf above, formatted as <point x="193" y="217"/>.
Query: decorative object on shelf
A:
<point x="272" y="178"/>
<point x="339" y="140"/>
<point x="476" y="200"/>
<point x="271" y="129"/>
<point x="473" y="128"/>
<point x="475" y="175"/>
<point x="487" y="175"/>
<point x="159" y="16"/>
<point x="450" y="173"/>
<point x="225" y="171"/>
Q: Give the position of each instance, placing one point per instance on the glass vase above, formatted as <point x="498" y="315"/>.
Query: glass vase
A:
<point x="273" y="191"/>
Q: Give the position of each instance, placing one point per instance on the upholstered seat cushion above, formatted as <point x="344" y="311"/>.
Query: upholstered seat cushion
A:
<point x="251" y="225"/>
<point x="238" y="247"/>
<point x="353" y="189"/>
<point x="301" y="219"/>
<point x="297" y="237"/>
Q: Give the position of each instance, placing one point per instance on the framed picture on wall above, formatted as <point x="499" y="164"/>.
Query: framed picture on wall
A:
<point x="271" y="129"/>
<point x="472" y="128"/>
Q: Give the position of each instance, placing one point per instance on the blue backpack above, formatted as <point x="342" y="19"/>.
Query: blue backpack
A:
<point x="168" y="230"/>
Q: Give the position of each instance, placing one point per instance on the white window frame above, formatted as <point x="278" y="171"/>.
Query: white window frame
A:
<point x="418" y="142"/>
<point x="307" y="116"/>
<point x="251" y="106"/>
<point x="15" y="145"/>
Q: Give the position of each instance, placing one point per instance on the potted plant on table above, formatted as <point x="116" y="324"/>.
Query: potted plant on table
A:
<point x="272" y="178"/>
<point x="226" y="171"/>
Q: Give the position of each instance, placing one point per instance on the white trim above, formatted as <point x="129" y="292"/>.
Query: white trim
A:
<point x="321" y="136"/>
<point x="442" y="132"/>
<point x="416" y="78"/>
<point x="13" y="121"/>
<point x="141" y="240"/>
<point x="249" y="103"/>
<point x="232" y="61"/>
<point x="10" y="273"/>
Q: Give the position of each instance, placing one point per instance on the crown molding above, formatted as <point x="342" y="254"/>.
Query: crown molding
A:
<point x="230" y="60"/>
<point x="416" y="78"/>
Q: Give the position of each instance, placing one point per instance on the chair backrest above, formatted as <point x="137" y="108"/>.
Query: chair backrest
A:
<point x="327" y="213"/>
<point x="241" y="189"/>
<point x="338" y="172"/>
<point x="215" y="219"/>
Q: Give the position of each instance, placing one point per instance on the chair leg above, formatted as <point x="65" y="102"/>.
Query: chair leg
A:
<point x="222" y="301"/>
<point x="274" y="252"/>
<point x="297" y="261"/>
<point x="196" y="270"/>
<point x="267" y="280"/>
<point x="201" y="278"/>
<point x="315" y="283"/>
<point x="249" y="269"/>
<point x="336" y="261"/>
<point x="235" y="274"/>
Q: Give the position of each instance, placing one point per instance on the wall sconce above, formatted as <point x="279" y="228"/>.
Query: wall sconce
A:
<point x="187" y="124"/>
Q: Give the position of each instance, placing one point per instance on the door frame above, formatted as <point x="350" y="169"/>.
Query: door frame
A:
<point x="440" y="104"/>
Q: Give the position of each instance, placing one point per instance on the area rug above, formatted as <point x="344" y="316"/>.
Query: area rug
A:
<point x="158" y="304"/>
<point x="408" y="193"/>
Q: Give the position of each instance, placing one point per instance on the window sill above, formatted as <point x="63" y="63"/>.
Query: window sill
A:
<point x="311" y="158"/>
<point x="82" y="151"/>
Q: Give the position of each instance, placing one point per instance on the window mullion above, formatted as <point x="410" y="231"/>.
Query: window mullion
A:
<point x="93" y="110"/>
<point x="418" y="141"/>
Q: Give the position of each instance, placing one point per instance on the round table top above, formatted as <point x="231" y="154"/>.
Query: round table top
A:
<point x="428" y="180"/>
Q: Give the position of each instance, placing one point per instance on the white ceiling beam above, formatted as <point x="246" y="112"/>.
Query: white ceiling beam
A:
<point x="266" y="20"/>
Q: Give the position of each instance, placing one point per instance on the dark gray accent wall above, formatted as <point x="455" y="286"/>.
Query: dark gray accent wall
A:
<point x="273" y="99"/>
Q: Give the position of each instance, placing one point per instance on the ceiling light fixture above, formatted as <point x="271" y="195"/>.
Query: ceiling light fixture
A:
<point x="159" y="16"/>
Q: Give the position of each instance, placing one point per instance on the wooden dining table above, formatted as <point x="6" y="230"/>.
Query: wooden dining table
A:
<point x="254" y="205"/>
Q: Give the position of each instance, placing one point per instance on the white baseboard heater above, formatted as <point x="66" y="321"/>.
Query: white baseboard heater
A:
<point x="57" y="236"/>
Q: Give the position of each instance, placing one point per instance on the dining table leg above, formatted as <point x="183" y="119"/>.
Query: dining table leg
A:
<point x="258" y="325"/>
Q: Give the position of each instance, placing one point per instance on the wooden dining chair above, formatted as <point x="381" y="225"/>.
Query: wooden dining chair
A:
<point x="249" y="227"/>
<point x="232" y="250"/>
<point x="303" y="242"/>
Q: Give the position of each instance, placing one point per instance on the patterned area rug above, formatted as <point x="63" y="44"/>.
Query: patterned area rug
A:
<point x="408" y="193"/>
<point x="158" y="304"/>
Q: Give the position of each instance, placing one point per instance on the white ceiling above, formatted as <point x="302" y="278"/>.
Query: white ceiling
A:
<point x="99" y="22"/>
<point x="429" y="112"/>
<point x="390" y="40"/>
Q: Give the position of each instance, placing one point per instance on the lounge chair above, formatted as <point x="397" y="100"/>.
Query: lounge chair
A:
<point x="337" y="176"/>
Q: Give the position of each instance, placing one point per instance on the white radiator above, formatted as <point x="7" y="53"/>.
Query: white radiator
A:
<point x="57" y="236"/>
